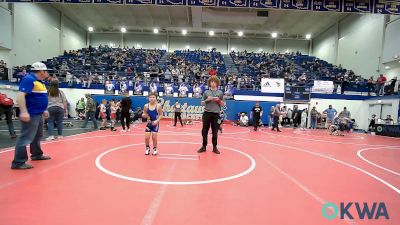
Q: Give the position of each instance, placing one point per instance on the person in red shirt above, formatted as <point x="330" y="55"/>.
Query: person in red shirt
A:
<point x="380" y="84"/>
<point x="212" y="72"/>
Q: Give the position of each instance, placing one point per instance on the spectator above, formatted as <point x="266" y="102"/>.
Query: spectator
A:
<point x="90" y="112"/>
<point x="271" y="116"/>
<point x="80" y="108"/>
<point x="32" y="100"/>
<point x="276" y="114"/>
<point x="372" y="121"/>
<point x="212" y="72"/>
<point x="393" y="86"/>
<point x="314" y="114"/>
<point x="256" y="113"/>
<point x="380" y="84"/>
<point x="330" y="115"/>
<point x="57" y="108"/>
<point x="243" y="120"/>
<point x="345" y="113"/>
<point x="304" y="116"/>
<point x="6" y="108"/>
<point x="370" y="85"/>
<point x="288" y="117"/>
<point x="126" y="107"/>
<point x="69" y="78"/>
<point x="296" y="116"/>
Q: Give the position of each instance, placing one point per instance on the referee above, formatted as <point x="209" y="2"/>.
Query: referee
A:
<point x="212" y="100"/>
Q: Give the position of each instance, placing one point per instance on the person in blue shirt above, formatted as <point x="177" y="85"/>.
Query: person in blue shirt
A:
<point x="32" y="100"/>
<point x="330" y="115"/>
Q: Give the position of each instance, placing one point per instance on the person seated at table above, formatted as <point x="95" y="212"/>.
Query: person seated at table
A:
<point x="389" y="120"/>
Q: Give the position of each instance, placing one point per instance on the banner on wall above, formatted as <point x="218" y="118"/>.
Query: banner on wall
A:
<point x="353" y="6"/>
<point x="387" y="7"/>
<point x="296" y="4"/>
<point x="297" y="94"/>
<point x="203" y="2"/>
<point x="109" y="87"/>
<point x="271" y="85"/>
<point x="323" y="86"/>
<point x="123" y="88"/>
<point x="363" y="6"/>
<point x="327" y="5"/>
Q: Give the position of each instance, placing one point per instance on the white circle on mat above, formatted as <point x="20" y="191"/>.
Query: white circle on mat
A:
<point x="111" y="173"/>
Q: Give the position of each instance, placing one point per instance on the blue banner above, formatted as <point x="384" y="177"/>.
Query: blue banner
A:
<point x="172" y="2"/>
<point x="203" y="2"/>
<point x="387" y="7"/>
<point x="327" y="5"/>
<point x="78" y="1"/>
<point x="264" y="4"/>
<point x="296" y="4"/>
<point x="235" y="3"/>
<point x="297" y="94"/>
<point x="109" y="1"/>
<point x="365" y="6"/>
<point x="47" y="1"/>
<point x="16" y="1"/>
<point x="140" y="2"/>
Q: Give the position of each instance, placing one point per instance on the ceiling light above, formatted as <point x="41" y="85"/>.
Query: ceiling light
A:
<point x="90" y="29"/>
<point x="184" y="32"/>
<point x="274" y="35"/>
<point x="240" y="33"/>
<point x="123" y="29"/>
<point x="387" y="67"/>
<point x="233" y="49"/>
<point x="308" y="36"/>
<point x="211" y="33"/>
<point x="155" y="30"/>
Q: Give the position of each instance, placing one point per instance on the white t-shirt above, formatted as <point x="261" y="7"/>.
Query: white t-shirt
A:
<point x="244" y="119"/>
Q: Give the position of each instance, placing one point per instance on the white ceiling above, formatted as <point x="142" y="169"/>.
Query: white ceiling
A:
<point x="110" y="18"/>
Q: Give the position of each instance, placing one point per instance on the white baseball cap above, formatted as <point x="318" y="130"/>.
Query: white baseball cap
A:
<point x="38" y="66"/>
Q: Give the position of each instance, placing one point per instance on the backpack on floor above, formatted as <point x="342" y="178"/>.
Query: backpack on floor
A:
<point x="6" y="101"/>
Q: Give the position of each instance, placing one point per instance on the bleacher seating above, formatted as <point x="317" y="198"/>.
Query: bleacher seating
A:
<point x="91" y="67"/>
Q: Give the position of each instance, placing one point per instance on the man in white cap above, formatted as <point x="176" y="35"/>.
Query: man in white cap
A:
<point x="32" y="100"/>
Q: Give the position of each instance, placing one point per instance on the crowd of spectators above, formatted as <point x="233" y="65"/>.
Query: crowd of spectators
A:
<point x="143" y="67"/>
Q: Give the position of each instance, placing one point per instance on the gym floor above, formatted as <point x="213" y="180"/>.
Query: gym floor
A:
<point x="264" y="177"/>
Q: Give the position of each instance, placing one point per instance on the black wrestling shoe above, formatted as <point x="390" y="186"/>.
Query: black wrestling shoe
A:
<point x="24" y="166"/>
<point x="216" y="151"/>
<point x="202" y="149"/>
<point x="42" y="157"/>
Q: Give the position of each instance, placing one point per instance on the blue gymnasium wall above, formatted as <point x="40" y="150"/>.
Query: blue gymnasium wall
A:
<point x="192" y="106"/>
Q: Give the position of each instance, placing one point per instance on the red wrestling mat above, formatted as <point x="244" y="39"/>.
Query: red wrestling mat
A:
<point x="262" y="177"/>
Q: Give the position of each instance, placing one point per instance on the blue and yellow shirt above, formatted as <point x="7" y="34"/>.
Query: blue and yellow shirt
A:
<point x="36" y="94"/>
